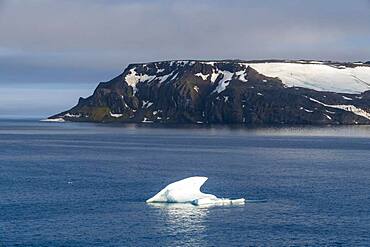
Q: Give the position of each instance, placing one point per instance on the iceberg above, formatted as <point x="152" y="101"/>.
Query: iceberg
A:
<point x="59" y="120"/>
<point x="188" y="191"/>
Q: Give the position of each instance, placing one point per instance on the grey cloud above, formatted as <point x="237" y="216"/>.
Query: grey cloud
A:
<point x="103" y="36"/>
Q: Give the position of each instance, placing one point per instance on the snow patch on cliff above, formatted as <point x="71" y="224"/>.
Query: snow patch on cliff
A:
<point x="242" y="75"/>
<point x="116" y="115"/>
<point x="350" y="108"/>
<point x="72" y="115"/>
<point x="224" y="82"/>
<point x="133" y="78"/>
<point x="204" y="77"/>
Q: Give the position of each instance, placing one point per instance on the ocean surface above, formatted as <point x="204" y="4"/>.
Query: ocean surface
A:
<point x="83" y="184"/>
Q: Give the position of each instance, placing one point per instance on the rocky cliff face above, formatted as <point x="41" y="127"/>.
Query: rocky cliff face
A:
<point x="231" y="92"/>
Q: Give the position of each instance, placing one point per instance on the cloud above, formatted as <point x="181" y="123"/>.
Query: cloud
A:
<point x="104" y="36"/>
<point x="38" y="101"/>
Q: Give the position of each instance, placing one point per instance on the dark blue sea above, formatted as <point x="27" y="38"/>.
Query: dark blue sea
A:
<point x="83" y="184"/>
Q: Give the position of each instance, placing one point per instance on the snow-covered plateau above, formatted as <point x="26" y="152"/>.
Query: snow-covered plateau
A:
<point x="318" y="76"/>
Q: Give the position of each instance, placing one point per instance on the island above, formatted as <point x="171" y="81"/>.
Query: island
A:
<point x="273" y="92"/>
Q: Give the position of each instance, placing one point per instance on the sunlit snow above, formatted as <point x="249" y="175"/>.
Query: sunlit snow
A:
<point x="188" y="191"/>
<point x="318" y="76"/>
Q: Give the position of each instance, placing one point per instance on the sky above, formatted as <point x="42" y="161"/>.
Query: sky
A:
<point x="56" y="51"/>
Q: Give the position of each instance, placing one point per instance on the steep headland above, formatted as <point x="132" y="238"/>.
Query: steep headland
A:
<point x="231" y="92"/>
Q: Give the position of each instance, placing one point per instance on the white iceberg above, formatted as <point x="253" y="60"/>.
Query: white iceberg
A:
<point x="188" y="191"/>
<point x="59" y="120"/>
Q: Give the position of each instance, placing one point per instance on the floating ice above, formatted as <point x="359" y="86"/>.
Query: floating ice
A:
<point x="188" y="191"/>
<point x="59" y="120"/>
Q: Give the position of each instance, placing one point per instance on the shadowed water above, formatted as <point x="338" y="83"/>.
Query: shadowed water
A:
<point x="72" y="184"/>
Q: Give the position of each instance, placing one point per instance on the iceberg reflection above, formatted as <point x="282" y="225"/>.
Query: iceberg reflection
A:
<point x="183" y="221"/>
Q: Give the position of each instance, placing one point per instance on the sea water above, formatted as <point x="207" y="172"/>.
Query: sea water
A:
<point x="83" y="184"/>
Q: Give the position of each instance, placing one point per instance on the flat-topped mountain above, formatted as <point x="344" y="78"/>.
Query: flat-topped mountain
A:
<point x="231" y="92"/>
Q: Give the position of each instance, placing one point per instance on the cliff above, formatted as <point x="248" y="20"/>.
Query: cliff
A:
<point x="231" y="92"/>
